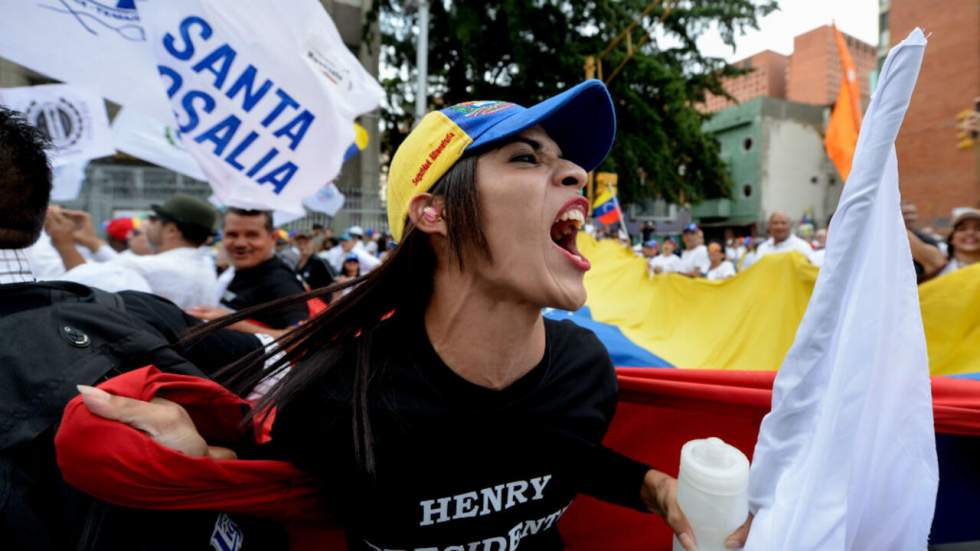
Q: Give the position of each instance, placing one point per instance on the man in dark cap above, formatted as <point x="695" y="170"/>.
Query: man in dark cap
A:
<point x="181" y="270"/>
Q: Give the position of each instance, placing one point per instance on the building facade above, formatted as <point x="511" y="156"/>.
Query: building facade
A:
<point x="767" y="79"/>
<point x="814" y="73"/>
<point x="121" y="185"/>
<point x="811" y="74"/>
<point x="939" y="169"/>
<point x="775" y="154"/>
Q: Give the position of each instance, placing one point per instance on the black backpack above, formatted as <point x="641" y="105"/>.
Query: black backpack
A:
<point x="53" y="336"/>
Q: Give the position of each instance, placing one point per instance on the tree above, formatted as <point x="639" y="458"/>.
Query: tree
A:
<point x="527" y="50"/>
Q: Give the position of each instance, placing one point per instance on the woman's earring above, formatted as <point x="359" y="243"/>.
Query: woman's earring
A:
<point x="429" y="214"/>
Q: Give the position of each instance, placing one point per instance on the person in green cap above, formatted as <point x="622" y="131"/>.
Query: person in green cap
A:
<point x="180" y="269"/>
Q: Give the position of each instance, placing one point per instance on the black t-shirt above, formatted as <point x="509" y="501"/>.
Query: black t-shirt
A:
<point x="316" y="273"/>
<point x="457" y="465"/>
<point x="266" y="282"/>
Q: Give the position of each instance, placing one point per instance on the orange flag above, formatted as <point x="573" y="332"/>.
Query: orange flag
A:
<point x="842" y="132"/>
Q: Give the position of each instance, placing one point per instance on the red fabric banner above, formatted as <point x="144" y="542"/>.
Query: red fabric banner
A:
<point x="661" y="409"/>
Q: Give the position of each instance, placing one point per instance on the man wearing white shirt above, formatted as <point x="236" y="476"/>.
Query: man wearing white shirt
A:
<point x="694" y="259"/>
<point x="666" y="262"/>
<point x="781" y="238"/>
<point x="181" y="270"/>
<point x="349" y="245"/>
<point x="720" y="267"/>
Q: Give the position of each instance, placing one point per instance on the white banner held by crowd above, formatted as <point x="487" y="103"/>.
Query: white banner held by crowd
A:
<point x="101" y="45"/>
<point x="264" y="99"/>
<point x="846" y="459"/>
<point x="72" y="117"/>
<point x="154" y="141"/>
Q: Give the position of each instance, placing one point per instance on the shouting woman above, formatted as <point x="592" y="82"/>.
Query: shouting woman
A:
<point x="433" y="404"/>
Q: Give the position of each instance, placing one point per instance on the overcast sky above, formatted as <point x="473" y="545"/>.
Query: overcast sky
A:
<point x="858" y="18"/>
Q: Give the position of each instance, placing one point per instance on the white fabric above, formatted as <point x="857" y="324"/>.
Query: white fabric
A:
<point x="153" y="140"/>
<point x="695" y="258"/>
<point x="45" y="260"/>
<point x="791" y="243"/>
<point x="817" y="257"/>
<point x="328" y="200"/>
<point x="108" y="276"/>
<point x="185" y="275"/>
<point x="73" y="117"/>
<point x="15" y="267"/>
<point x="105" y="254"/>
<point x="951" y="267"/>
<point x="97" y="44"/>
<point x="846" y="459"/>
<point x="224" y="280"/>
<point x="264" y="97"/>
<point x="724" y="270"/>
<point x="67" y="180"/>
<point x="336" y="255"/>
<point x="667" y="263"/>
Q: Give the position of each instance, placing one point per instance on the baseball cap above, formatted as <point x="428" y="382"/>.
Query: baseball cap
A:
<point x="650" y="243"/>
<point x="343" y="237"/>
<point x="581" y="120"/>
<point x="121" y="228"/>
<point x="691" y="228"/>
<point x="965" y="213"/>
<point x="351" y="258"/>
<point x="355" y="230"/>
<point x="187" y="210"/>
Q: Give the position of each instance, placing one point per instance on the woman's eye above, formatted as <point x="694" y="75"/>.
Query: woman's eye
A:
<point x="524" y="158"/>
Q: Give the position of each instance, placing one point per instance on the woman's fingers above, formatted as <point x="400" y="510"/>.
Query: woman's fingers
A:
<point x="166" y="422"/>
<point x="737" y="539"/>
<point x="677" y="520"/>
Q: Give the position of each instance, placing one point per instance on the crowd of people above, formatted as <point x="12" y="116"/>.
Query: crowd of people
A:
<point x="207" y="263"/>
<point x="933" y="255"/>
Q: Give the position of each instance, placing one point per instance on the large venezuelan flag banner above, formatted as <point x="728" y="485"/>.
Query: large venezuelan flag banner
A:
<point x="748" y="322"/>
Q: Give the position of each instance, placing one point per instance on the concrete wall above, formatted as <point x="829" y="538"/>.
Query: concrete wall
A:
<point x="796" y="174"/>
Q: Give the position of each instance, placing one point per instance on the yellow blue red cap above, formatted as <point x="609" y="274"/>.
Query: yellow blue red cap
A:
<point x="581" y="120"/>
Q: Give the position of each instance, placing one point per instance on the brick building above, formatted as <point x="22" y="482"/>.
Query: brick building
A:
<point x="938" y="173"/>
<point x="814" y="72"/>
<point x="767" y="79"/>
<point x="811" y="74"/>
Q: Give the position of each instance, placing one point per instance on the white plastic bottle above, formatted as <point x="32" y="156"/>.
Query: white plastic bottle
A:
<point x="712" y="491"/>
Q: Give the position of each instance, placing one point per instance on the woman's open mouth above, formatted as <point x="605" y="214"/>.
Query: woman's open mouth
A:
<point x="565" y="228"/>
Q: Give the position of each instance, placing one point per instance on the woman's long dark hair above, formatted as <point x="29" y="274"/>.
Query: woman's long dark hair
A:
<point x="401" y="284"/>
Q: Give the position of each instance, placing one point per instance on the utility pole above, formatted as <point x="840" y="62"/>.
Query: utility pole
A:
<point x="422" y="62"/>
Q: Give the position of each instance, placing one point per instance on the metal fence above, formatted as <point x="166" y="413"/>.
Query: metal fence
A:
<point x="113" y="189"/>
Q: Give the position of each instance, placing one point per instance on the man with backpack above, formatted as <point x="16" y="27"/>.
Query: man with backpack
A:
<point x="56" y="335"/>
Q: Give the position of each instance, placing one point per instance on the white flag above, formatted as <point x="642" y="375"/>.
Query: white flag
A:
<point x="66" y="181"/>
<point x="264" y="96"/>
<point x="72" y="117"/>
<point x="154" y="141"/>
<point x="99" y="44"/>
<point x="328" y="200"/>
<point x="846" y="459"/>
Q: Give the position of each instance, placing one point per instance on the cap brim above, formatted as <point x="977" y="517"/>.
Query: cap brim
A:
<point x="581" y="120"/>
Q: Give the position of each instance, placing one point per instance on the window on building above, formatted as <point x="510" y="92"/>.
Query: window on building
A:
<point x="747" y="190"/>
